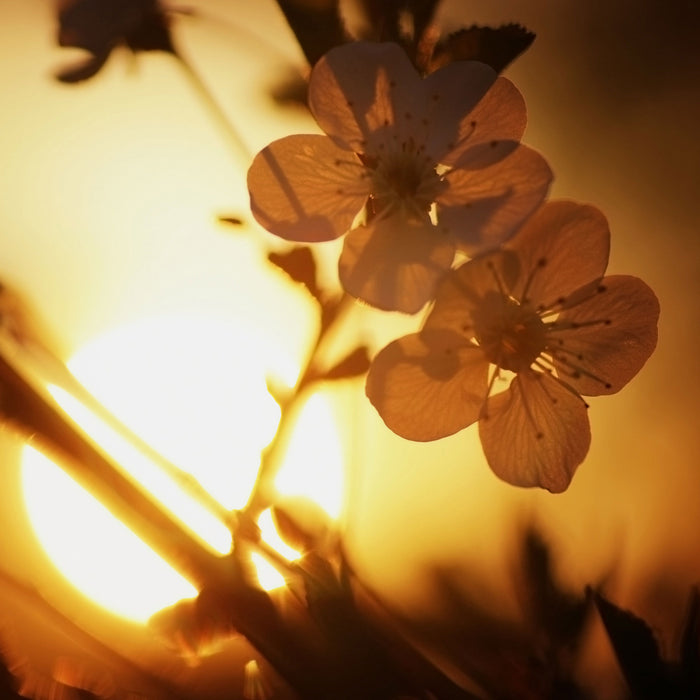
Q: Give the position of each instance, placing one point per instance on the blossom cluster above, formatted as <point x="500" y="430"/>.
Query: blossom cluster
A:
<point x="419" y="173"/>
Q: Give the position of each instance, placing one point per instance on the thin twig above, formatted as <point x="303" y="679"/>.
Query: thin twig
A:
<point x="271" y="457"/>
<point x="215" y="110"/>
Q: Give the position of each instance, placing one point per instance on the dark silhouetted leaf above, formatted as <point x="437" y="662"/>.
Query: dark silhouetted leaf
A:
<point x="356" y="664"/>
<point x="290" y="89"/>
<point x="300" y="265"/>
<point x="317" y="25"/>
<point x="637" y="651"/>
<point x="82" y="70"/>
<point x="98" y="26"/>
<point x="384" y="18"/>
<point x="558" y="614"/>
<point x="230" y="220"/>
<point x="353" y="365"/>
<point x="690" y="646"/>
<point x="497" y="47"/>
<point x="422" y="13"/>
<point x="301" y="523"/>
<point x="8" y="681"/>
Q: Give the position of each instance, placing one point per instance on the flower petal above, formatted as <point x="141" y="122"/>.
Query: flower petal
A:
<point x="601" y="343"/>
<point x="394" y="263"/>
<point x="451" y="93"/>
<point x="562" y="246"/>
<point x="428" y="385"/>
<point x="462" y="290"/>
<point x="305" y="188"/>
<point x="361" y="90"/>
<point x="483" y="208"/>
<point x="492" y="128"/>
<point x="536" y="433"/>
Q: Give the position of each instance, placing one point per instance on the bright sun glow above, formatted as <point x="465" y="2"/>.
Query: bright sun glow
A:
<point x="312" y="468"/>
<point x="91" y="545"/>
<point x="194" y="389"/>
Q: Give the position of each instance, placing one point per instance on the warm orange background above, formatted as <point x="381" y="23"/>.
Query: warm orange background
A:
<point x="108" y="197"/>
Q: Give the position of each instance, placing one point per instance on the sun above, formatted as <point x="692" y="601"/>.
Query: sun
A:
<point x="194" y="388"/>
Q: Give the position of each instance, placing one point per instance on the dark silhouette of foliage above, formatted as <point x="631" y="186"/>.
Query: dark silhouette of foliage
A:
<point x="354" y="364"/>
<point x="300" y="265"/>
<point x="99" y="26"/>
<point x="317" y="25"/>
<point x="648" y="675"/>
<point x="495" y="46"/>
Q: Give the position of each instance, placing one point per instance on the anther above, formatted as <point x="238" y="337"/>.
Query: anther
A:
<point x="539" y="264"/>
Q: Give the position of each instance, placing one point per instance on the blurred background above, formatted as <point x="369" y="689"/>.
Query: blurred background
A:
<point x="110" y="192"/>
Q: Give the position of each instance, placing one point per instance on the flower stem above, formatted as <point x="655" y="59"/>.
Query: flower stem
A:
<point x="262" y="494"/>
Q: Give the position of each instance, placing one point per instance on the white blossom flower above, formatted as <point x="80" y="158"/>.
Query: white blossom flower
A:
<point x="418" y="166"/>
<point x="538" y="312"/>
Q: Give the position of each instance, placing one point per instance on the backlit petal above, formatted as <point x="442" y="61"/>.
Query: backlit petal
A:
<point x="492" y="128"/>
<point x="451" y="93"/>
<point x="428" y="385"/>
<point x="536" y="433"/>
<point x="602" y="342"/>
<point x="463" y="289"/>
<point x="483" y="208"/>
<point x="395" y="263"/>
<point x="562" y="246"/>
<point x="359" y="93"/>
<point x="305" y="188"/>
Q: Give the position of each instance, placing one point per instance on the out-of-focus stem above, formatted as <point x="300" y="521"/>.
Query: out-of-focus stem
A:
<point x="317" y="26"/>
<point x="222" y="120"/>
<point x="28" y="405"/>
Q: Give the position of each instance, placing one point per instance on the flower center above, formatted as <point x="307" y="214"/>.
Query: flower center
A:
<point x="406" y="180"/>
<point x="511" y="334"/>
